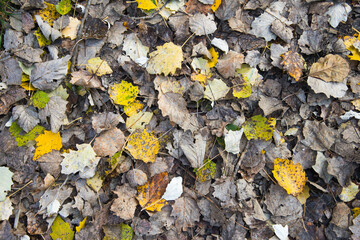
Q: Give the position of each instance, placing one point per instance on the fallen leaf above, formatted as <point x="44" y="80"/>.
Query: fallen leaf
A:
<point x="290" y="176"/>
<point x="85" y="79"/>
<point x="27" y="117"/>
<point x="304" y="195"/>
<point x="123" y="93"/>
<point x="215" y="56"/>
<point x="241" y="87"/>
<point x="150" y="194"/>
<point x="331" y="68"/>
<point x="125" y="204"/>
<point x="63" y="7"/>
<point x="118" y="232"/>
<point x="83" y="160"/>
<point x="174" y="189"/>
<point x="48" y="14"/>
<point x="81" y="225"/>
<point x="48" y="75"/>
<point x="134" y="47"/>
<point x="259" y="127"/>
<point x="61" y="230"/>
<point x="334" y="89"/>
<point x="40" y="99"/>
<point x="215" y="90"/>
<point x="221" y="44"/>
<point x="98" y="66"/>
<point x="338" y="13"/>
<point x="143" y="145"/>
<point x="133" y="108"/>
<point x="47" y="142"/>
<point x="6" y="182"/>
<point x="232" y="141"/>
<point x="194" y="149"/>
<point x="281" y="232"/>
<point x="95" y="182"/>
<point x="216" y="5"/>
<point x="49" y="32"/>
<point x="147" y="4"/>
<point x="6" y="209"/>
<point x="42" y="41"/>
<point x="138" y="120"/>
<point x="186" y="212"/>
<point x="202" y="24"/>
<point x="349" y="193"/>
<point x="55" y="109"/>
<point x="109" y="142"/>
<point x="105" y="121"/>
<point x="206" y="171"/>
<point x="70" y="31"/>
<point x="228" y="64"/>
<point x="166" y="59"/>
<point x="293" y="63"/>
<point x="22" y="139"/>
<point x="349" y="44"/>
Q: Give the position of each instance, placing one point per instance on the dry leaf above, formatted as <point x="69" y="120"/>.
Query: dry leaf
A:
<point x="125" y="204"/>
<point x="47" y="142"/>
<point x="109" y="142"/>
<point x="215" y="90"/>
<point x="349" y="193"/>
<point x="186" y="212"/>
<point x="331" y="68"/>
<point x="5" y="182"/>
<point x="143" y="145"/>
<point x="150" y="194"/>
<point x="293" y="63"/>
<point x="228" y="64"/>
<point x="166" y="59"/>
<point x="71" y="30"/>
<point x="98" y="66"/>
<point x="202" y="24"/>
<point x="138" y="120"/>
<point x="85" y="79"/>
<point x="123" y="93"/>
<point x="289" y="176"/>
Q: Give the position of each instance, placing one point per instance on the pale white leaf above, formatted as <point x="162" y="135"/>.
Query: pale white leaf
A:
<point x="174" y="189"/>
<point x="349" y="114"/>
<point x="338" y="13"/>
<point x="202" y="24"/>
<point x="232" y="141"/>
<point x="216" y="89"/>
<point x="134" y="48"/>
<point x="281" y="232"/>
<point x="221" y="44"/>
<point x="47" y="30"/>
<point x="5" y="182"/>
<point x="53" y="208"/>
<point x="5" y="209"/>
<point x="333" y="89"/>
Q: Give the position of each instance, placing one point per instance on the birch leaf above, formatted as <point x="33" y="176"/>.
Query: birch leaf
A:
<point x="215" y="90"/>
<point x="123" y="93"/>
<point x="147" y="4"/>
<point x="174" y="189"/>
<point x="98" y="66"/>
<point x="349" y="193"/>
<point x="63" y="7"/>
<point x="143" y="145"/>
<point x="259" y="127"/>
<point x="61" y="230"/>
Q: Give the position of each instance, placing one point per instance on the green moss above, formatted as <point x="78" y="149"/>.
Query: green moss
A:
<point x="22" y="139"/>
<point x="207" y="171"/>
<point x="40" y="99"/>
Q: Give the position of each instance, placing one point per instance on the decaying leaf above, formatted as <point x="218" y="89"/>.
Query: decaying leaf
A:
<point x="293" y="63"/>
<point x="55" y="109"/>
<point x="70" y="31"/>
<point x="63" y="7"/>
<point x="49" y="32"/>
<point x="143" y="145"/>
<point x="40" y="99"/>
<point x="202" y="24"/>
<point x="105" y="121"/>
<point x="232" y="141"/>
<point x="83" y="160"/>
<point x="134" y="48"/>
<point x="49" y="13"/>
<point x="186" y="212"/>
<point x="123" y="93"/>
<point x="47" y="142"/>
<point x="27" y="117"/>
<point x="241" y="87"/>
<point x="228" y="64"/>
<point x="118" y="232"/>
<point x="125" y="204"/>
<point x="138" y="120"/>
<point x="331" y="68"/>
<point x="259" y="127"/>
<point x="5" y="182"/>
<point x="61" y="230"/>
<point x="166" y="59"/>
<point x="338" y="13"/>
<point x="304" y="195"/>
<point x="98" y="66"/>
<point x="109" y="142"/>
<point x="289" y="175"/>
<point x="334" y="89"/>
<point x="206" y="171"/>
<point x="194" y="148"/>
<point x="349" y="193"/>
<point x="85" y="79"/>
<point x="134" y="108"/>
<point x="215" y="90"/>
<point x="150" y="194"/>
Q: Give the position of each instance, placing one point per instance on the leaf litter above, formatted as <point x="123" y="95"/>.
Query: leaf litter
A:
<point x="127" y="120"/>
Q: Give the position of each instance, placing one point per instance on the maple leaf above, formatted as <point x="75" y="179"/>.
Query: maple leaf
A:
<point x="5" y="182"/>
<point x="98" y="66"/>
<point x="331" y="68"/>
<point x="83" y="160"/>
<point x="290" y="176"/>
<point x="123" y="93"/>
<point x="293" y="63"/>
<point x="259" y="127"/>
<point x="150" y="194"/>
<point x="143" y="145"/>
<point x="61" y="230"/>
<point x="147" y="4"/>
<point x="166" y="59"/>
<point x="47" y="142"/>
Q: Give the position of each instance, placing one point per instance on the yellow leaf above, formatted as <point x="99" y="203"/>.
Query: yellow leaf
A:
<point x="290" y="176"/>
<point x="143" y="145"/>
<point x="138" y="121"/>
<point x="304" y="195"/>
<point x="349" y="45"/>
<point x="251" y="73"/>
<point x="150" y="194"/>
<point x="81" y="225"/>
<point x="242" y="87"/>
<point x="147" y="4"/>
<point x="71" y="30"/>
<point x="349" y="193"/>
<point x="216" y="5"/>
<point x="48" y="14"/>
<point x="123" y="93"/>
<point x="201" y="78"/>
<point x="41" y="38"/>
<point x="98" y="66"/>
<point x="215" y="57"/>
<point x="356" y="212"/>
<point x="215" y="90"/>
<point x="293" y="63"/>
<point x="133" y="108"/>
<point x="47" y="142"/>
<point x="61" y="230"/>
<point x="95" y="182"/>
<point x="259" y="127"/>
<point x="25" y="83"/>
<point x="166" y="59"/>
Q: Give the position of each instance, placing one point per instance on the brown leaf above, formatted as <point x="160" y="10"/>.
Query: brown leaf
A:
<point x="194" y="6"/>
<point x="293" y="63"/>
<point x="85" y="79"/>
<point x="228" y="64"/>
<point x="150" y="194"/>
<point x="331" y="68"/>
<point x="125" y="204"/>
<point x="109" y="142"/>
<point x="186" y="212"/>
<point x="12" y="95"/>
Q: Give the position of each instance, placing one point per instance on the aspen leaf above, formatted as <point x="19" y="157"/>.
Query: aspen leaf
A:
<point x="356" y="212"/>
<point x="133" y="108"/>
<point x="95" y="182"/>
<point x="293" y="63"/>
<point x="290" y="176"/>
<point x="118" y="232"/>
<point x="166" y="59"/>
<point x="123" y="93"/>
<point x="83" y="160"/>
<point x="349" y="44"/>
<point x="241" y="87"/>
<point x="206" y="171"/>
<point x="63" y="7"/>
<point x="331" y="68"/>
<point x="150" y="194"/>
<point x="349" y="193"/>
<point x="143" y="145"/>
<point x="259" y="127"/>
<point x="61" y="230"/>
<point x="98" y="66"/>
<point x="48" y="14"/>
<point x="81" y="225"/>
<point x="147" y="4"/>
<point x="47" y="142"/>
<point x="215" y="90"/>
<point x="5" y="182"/>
